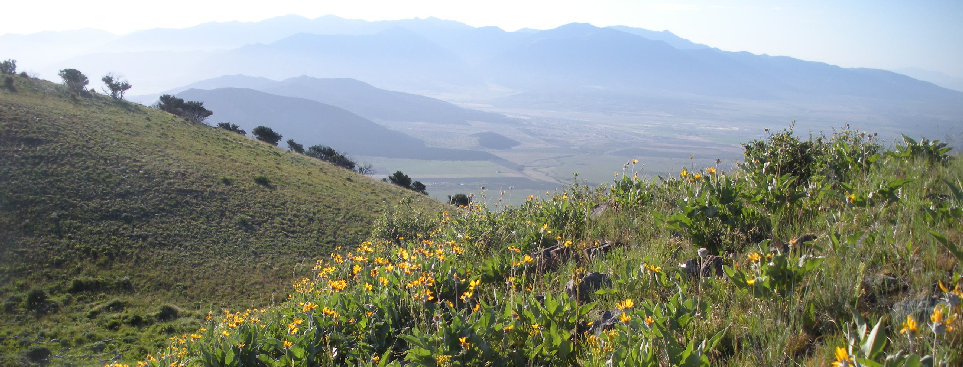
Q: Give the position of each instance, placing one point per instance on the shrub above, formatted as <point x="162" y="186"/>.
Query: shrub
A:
<point x="168" y="313"/>
<point x="37" y="354"/>
<point x="779" y="154"/>
<point x="8" y="84"/>
<point x="231" y="127"/>
<point x="295" y="147"/>
<point x="267" y="135"/>
<point x="86" y="284"/>
<point x="263" y="181"/>
<point x="328" y="154"/>
<point x="931" y="151"/>
<point x="39" y="302"/>
<point x="115" y="86"/>
<point x="74" y="79"/>
<point x="193" y="111"/>
<point x="8" y="67"/>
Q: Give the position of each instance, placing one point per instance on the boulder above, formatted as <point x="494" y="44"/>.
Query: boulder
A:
<point x="587" y="285"/>
<point x="606" y="321"/>
<point x="710" y="265"/>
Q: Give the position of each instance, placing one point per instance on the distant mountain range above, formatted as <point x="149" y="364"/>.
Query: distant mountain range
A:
<point x="577" y="72"/>
<point x="358" y="97"/>
<point x="310" y="122"/>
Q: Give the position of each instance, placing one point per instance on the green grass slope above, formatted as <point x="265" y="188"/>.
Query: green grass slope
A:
<point x="827" y="251"/>
<point x="121" y="224"/>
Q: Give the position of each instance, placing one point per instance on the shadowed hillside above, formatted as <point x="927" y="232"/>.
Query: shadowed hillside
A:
<point x="122" y="224"/>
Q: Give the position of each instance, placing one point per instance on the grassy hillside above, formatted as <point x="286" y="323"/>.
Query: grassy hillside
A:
<point x="831" y="250"/>
<point x="123" y="224"/>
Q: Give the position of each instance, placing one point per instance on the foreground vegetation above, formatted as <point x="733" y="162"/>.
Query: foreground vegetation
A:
<point x="827" y="250"/>
<point x="122" y="225"/>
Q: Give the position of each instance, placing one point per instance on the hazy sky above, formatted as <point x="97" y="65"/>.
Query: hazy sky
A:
<point x="887" y="34"/>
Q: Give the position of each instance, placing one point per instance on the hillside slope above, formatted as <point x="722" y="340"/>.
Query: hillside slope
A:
<point x="110" y="204"/>
<point x="789" y="260"/>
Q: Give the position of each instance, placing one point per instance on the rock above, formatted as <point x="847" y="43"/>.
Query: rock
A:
<point x="708" y="266"/>
<point x="918" y="307"/>
<point x="598" y="210"/>
<point x="587" y="286"/>
<point x="601" y="249"/>
<point x="802" y="239"/>
<point x="550" y="258"/>
<point x="606" y="321"/>
<point x="877" y="291"/>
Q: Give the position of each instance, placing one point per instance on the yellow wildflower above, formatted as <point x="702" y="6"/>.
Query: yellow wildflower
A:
<point x="754" y="257"/>
<point x="624" y="318"/>
<point x="627" y="303"/>
<point x="308" y="307"/>
<point x="287" y="344"/>
<point x="337" y="285"/>
<point x="684" y="173"/>
<point x="843" y="359"/>
<point x="464" y="343"/>
<point x="293" y="326"/>
<point x="711" y="170"/>
<point x="909" y="327"/>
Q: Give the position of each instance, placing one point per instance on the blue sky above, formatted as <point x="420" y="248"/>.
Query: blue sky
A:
<point x="888" y="34"/>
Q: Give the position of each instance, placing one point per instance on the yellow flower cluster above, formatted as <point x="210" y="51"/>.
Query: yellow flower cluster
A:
<point x="293" y="327"/>
<point x="651" y="268"/>
<point x="308" y="307"/>
<point x="471" y="290"/>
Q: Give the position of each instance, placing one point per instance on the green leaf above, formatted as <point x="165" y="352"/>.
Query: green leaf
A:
<point x="874" y="342"/>
<point x="385" y="358"/>
<point x="949" y="245"/>
<point x="298" y="352"/>
<point x="229" y="358"/>
<point x="868" y="362"/>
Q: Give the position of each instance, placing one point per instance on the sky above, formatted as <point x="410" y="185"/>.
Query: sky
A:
<point x="886" y="34"/>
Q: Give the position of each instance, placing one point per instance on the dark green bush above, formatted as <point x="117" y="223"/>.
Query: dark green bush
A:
<point x="168" y="313"/>
<point x="86" y="284"/>
<point x="37" y="354"/>
<point x="231" y="127"/>
<point x="263" y="181"/>
<point x="38" y="301"/>
<point x="779" y="154"/>
<point x="266" y="134"/>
